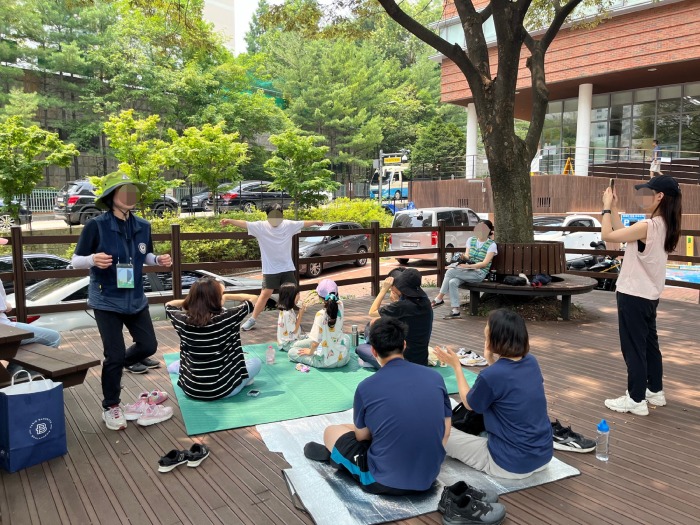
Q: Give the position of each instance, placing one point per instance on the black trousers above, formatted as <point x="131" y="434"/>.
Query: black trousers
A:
<point x="117" y="356"/>
<point x="640" y="344"/>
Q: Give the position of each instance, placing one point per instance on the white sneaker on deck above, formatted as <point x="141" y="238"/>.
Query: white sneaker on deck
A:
<point x="627" y="404"/>
<point x="249" y="324"/>
<point x="114" y="418"/>
<point x="656" y="398"/>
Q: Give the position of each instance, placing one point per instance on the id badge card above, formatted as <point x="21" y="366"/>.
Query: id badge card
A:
<point x="125" y="276"/>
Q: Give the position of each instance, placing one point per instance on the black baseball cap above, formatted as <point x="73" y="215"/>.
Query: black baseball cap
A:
<point x="663" y="183"/>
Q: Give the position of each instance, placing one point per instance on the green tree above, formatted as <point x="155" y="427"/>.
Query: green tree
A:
<point x="208" y="155"/>
<point x="256" y="29"/>
<point x="300" y="168"/>
<point x="24" y="152"/>
<point x="22" y="105"/>
<point x="493" y="88"/>
<point x="437" y="142"/>
<point x="143" y="155"/>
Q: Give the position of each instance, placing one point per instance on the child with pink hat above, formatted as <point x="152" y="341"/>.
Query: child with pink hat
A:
<point x="326" y="346"/>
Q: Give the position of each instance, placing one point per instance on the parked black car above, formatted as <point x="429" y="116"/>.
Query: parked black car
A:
<point x="7" y="221"/>
<point x="329" y="243"/>
<point x="200" y="201"/>
<point x="75" y="203"/>
<point x="251" y="195"/>
<point x="33" y="262"/>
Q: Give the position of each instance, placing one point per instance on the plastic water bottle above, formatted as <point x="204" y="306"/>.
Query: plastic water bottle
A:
<point x="270" y="355"/>
<point x="355" y="336"/>
<point x="602" y="441"/>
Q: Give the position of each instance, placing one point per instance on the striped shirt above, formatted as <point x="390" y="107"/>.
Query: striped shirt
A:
<point x="212" y="364"/>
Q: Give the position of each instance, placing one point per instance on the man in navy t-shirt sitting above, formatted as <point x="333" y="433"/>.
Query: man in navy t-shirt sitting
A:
<point x="402" y="419"/>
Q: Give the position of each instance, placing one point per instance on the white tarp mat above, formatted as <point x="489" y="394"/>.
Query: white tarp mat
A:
<point x="335" y="498"/>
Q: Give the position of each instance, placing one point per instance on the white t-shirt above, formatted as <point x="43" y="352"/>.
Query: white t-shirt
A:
<point x="286" y="323"/>
<point x="275" y="244"/>
<point x="3" y="307"/>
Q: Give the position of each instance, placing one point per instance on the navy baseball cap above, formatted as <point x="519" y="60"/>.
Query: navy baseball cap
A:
<point x="661" y="183"/>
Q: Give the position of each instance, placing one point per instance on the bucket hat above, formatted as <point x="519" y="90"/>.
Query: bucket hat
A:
<point x="113" y="182"/>
<point x="409" y="283"/>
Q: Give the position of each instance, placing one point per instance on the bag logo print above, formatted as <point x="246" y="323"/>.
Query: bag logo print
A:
<point x="40" y="428"/>
<point x="142" y="247"/>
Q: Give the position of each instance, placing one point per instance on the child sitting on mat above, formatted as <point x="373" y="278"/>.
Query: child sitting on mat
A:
<point x="289" y="320"/>
<point x="327" y="346"/>
<point x="211" y="365"/>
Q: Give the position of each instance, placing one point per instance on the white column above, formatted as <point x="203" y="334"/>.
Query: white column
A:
<point x="583" y="128"/>
<point x="472" y="132"/>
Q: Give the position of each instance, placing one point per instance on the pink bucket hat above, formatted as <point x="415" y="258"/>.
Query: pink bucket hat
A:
<point x="325" y="287"/>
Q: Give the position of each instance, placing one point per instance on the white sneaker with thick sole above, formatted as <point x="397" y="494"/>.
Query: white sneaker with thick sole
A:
<point x="627" y="404"/>
<point x="114" y="418"/>
<point x="657" y="399"/>
<point x="248" y="325"/>
<point x="155" y="414"/>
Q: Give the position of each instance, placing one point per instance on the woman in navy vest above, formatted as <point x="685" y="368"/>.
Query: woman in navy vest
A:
<point x="481" y="249"/>
<point x="115" y="246"/>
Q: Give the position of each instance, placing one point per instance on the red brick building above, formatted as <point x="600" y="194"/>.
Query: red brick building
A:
<point x="635" y="77"/>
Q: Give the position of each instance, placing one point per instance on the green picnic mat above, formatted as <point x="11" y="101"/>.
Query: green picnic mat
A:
<point x="285" y="393"/>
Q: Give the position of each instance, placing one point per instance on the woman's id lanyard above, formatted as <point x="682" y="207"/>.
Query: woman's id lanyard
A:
<point x="125" y="272"/>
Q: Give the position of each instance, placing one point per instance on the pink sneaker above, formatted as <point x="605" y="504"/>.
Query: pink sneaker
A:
<point x="155" y="414"/>
<point x="157" y="397"/>
<point x="135" y="410"/>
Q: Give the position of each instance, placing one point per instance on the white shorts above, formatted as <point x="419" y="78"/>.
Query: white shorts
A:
<point x="655" y="166"/>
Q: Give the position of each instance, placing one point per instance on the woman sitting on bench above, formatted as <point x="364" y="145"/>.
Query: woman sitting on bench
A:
<point x="473" y="268"/>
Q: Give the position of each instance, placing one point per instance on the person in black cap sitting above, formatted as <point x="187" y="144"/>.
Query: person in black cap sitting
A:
<point x="640" y="284"/>
<point x="412" y="307"/>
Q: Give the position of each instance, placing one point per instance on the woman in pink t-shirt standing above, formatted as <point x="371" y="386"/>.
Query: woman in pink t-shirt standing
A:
<point x="640" y="284"/>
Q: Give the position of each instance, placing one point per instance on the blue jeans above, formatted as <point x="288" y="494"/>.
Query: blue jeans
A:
<point x="253" y="365"/>
<point x="456" y="276"/>
<point x="364" y="352"/>
<point x="43" y="336"/>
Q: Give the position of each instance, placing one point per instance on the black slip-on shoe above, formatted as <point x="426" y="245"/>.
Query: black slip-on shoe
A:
<point x="316" y="451"/>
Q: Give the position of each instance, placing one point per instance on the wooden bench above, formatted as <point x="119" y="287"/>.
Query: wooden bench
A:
<point x="563" y="284"/>
<point x="59" y="365"/>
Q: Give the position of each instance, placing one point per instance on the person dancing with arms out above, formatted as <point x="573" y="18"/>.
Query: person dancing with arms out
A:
<point x="640" y="284"/>
<point x="275" y="239"/>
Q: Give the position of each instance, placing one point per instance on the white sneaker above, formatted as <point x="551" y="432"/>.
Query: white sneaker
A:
<point x="135" y="410"/>
<point x="656" y="398"/>
<point x="114" y="418"/>
<point x="249" y="324"/>
<point x="627" y="404"/>
<point x="472" y="359"/>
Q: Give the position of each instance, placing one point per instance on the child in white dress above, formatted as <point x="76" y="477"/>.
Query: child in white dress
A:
<point x="327" y="346"/>
<point x="289" y="319"/>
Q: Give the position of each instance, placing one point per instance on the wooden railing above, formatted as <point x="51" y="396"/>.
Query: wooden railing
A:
<point x="374" y="256"/>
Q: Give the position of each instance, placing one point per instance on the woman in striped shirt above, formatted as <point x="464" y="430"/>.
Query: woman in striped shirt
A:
<point x="212" y="364"/>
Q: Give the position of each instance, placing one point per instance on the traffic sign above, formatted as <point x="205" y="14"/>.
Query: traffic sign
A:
<point x="631" y="218"/>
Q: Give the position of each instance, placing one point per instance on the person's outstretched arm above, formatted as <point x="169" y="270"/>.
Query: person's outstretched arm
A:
<point x="312" y="223"/>
<point x="235" y="222"/>
<point x="240" y="297"/>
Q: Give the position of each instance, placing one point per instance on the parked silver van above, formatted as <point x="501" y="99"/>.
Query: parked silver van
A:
<point x="429" y="217"/>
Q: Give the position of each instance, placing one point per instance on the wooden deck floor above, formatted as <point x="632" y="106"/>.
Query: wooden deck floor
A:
<point x="653" y="475"/>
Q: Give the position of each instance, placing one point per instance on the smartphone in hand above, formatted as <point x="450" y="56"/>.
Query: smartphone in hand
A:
<point x="612" y="184"/>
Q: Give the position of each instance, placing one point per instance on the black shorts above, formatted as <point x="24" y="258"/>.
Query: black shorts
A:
<point x="273" y="281"/>
<point x="351" y="455"/>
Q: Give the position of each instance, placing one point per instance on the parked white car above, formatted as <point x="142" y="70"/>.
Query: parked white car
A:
<point x="571" y="240"/>
<point x="65" y="290"/>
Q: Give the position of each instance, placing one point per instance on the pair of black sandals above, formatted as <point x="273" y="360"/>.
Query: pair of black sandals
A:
<point x="193" y="457"/>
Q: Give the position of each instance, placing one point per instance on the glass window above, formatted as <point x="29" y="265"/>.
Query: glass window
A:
<point x="599" y="114"/>
<point x="643" y="132"/>
<point x="555" y="107"/>
<point x="621" y="105"/>
<point x="446" y="216"/>
<point x="600" y="101"/>
<point x="473" y="218"/>
<point x="620" y="134"/>
<point x="414" y="219"/>
<point x="79" y="295"/>
<point x="569" y="127"/>
<point x="690" y="133"/>
<point x="645" y="95"/>
<point x="667" y="129"/>
<point x="645" y="109"/>
<point x="47" y="263"/>
<point x="691" y="98"/>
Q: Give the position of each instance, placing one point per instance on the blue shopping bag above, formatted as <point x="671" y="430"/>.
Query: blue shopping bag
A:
<point x="32" y="423"/>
